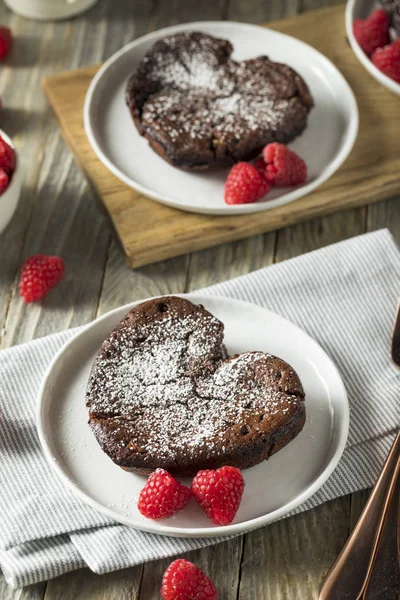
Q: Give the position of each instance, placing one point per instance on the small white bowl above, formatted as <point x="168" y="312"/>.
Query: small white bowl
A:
<point x="49" y="10"/>
<point x="361" y="9"/>
<point x="9" y="198"/>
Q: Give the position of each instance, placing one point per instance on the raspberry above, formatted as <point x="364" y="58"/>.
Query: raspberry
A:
<point x="162" y="496"/>
<point x="372" y="33"/>
<point x="245" y="184"/>
<point x="4" y="179"/>
<point x="7" y="156"/>
<point x="39" y="274"/>
<point x="387" y="60"/>
<point x="5" y="41"/>
<point x="184" y="581"/>
<point x="219" y="493"/>
<point x="283" y="166"/>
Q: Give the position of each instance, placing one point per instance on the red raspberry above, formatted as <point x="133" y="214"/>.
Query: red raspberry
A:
<point x="5" y="41"/>
<point x="219" y="493"/>
<point x="374" y="32"/>
<point x="7" y="156"/>
<point x="387" y="60"/>
<point x="245" y="184"/>
<point x="39" y="274"/>
<point x="4" y="179"/>
<point x="283" y="166"/>
<point x="184" y="581"/>
<point x="162" y="496"/>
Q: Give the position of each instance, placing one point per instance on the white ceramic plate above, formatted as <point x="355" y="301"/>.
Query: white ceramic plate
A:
<point x="325" y="144"/>
<point x="273" y="488"/>
<point x="361" y="9"/>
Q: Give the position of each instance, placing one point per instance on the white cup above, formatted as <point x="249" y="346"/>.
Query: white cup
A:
<point x="10" y="197"/>
<point x="49" y="10"/>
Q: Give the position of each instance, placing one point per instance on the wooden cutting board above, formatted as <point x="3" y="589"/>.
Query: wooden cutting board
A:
<point x="149" y="231"/>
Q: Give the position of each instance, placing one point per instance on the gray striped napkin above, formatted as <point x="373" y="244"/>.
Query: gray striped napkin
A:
<point x="345" y="296"/>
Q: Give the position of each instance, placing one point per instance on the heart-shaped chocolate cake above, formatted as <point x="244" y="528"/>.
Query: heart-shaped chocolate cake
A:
<point x="199" y="109"/>
<point x="163" y="393"/>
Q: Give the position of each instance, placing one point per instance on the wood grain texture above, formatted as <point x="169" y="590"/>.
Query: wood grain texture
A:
<point x="59" y="213"/>
<point x="150" y="232"/>
<point x="274" y="565"/>
<point x="32" y="592"/>
<point x="85" y="585"/>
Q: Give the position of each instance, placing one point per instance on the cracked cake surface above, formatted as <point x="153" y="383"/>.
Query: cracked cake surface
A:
<point x="163" y="393"/>
<point x="199" y="109"/>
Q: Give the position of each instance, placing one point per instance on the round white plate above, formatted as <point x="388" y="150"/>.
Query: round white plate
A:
<point x="361" y="9"/>
<point x="325" y="144"/>
<point x="273" y="488"/>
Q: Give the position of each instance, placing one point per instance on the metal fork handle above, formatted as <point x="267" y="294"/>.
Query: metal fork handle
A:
<point x="350" y="573"/>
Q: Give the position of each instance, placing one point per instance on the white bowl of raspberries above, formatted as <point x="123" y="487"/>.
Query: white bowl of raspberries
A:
<point x="10" y="180"/>
<point x="373" y="29"/>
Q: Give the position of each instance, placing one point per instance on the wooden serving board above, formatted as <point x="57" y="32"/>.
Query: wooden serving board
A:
<point x="149" y="231"/>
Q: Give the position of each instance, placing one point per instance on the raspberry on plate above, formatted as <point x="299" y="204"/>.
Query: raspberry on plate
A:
<point x="219" y="493"/>
<point x="39" y="274"/>
<point x="283" y="166"/>
<point x="7" y="156"/>
<point x="162" y="496"/>
<point x="184" y="581"/>
<point x="373" y="32"/>
<point x="245" y="184"/>
<point x="387" y="60"/>
<point x="4" y="180"/>
<point x="5" y="41"/>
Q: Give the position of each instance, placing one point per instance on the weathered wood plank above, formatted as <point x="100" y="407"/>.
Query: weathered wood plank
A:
<point x="317" y="233"/>
<point x="85" y="585"/>
<point x="171" y="12"/>
<point x="385" y="214"/>
<point x="312" y="4"/>
<point x="260" y="11"/>
<point x="31" y="592"/>
<point x="229" y="260"/>
<point x="122" y="285"/>
<point x="289" y="558"/>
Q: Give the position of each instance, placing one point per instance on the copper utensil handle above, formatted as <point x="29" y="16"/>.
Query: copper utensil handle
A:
<point x="349" y="575"/>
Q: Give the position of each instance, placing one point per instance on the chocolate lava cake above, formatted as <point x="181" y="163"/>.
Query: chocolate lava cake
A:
<point x="199" y="109"/>
<point x="392" y="7"/>
<point x="162" y="393"/>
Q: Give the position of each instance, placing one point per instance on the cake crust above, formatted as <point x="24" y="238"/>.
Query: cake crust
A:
<point x="162" y="393"/>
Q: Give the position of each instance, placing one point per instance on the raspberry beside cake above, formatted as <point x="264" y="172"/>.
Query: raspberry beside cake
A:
<point x="162" y="393"/>
<point x="199" y="109"/>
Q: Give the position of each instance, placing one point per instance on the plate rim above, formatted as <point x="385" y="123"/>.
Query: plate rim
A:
<point x="153" y="527"/>
<point x="369" y="66"/>
<point x="342" y="154"/>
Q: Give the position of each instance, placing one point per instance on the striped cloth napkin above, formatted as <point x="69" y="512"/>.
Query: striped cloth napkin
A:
<point x="344" y="296"/>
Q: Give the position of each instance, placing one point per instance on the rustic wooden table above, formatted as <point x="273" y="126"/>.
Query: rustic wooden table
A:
<point x="59" y="214"/>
